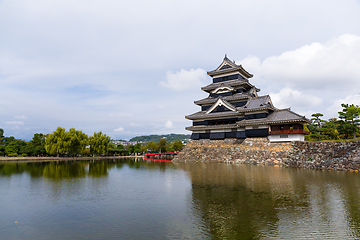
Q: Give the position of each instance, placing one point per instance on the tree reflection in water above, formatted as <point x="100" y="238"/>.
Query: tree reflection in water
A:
<point x="255" y="202"/>
<point x="58" y="170"/>
<point x="224" y="201"/>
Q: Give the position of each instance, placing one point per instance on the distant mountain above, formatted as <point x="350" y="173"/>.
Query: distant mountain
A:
<point x="156" y="138"/>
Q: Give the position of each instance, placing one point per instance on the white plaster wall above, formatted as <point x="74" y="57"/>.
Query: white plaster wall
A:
<point x="256" y="127"/>
<point x="220" y="130"/>
<point x="291" y="137"/>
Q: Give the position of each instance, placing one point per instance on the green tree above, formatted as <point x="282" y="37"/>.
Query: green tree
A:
<point x="99" y="143"/>
<point x="38" y="144"/>
<point x="57" y="142"/>
<point x="137" y="148"/>
<point x="151" y="146"/>
<point x="130" y="148"/>
<point x="12" y="149"/>
<point x="2" y="150"/>
<point x="6" y="140"/>
<point x="2" y="147"/>
<point x="77" y="141"/>
<point x="316" y="128"/>
<point x="177" y="146"/>
<point x="162" y="145"/>
<point x="330" y="129"/>
<point x="349" y="119"/>
<point x="316" y="119"/>
<point x="120" y="147"/>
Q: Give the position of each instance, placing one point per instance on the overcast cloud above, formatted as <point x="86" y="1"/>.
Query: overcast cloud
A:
<point x="130" y="68"/>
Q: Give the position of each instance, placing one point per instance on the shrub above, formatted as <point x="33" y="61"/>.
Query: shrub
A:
<point x="13" y="155"/>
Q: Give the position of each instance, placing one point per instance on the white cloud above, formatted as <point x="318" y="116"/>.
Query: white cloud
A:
<point x="336" y="107"/>
<point x="184" y="79"/>
<point x="169" y="124"/>
<point x="288" y="97"/>
<point x="83" y="63"/>
<point x="21" y="117"/>
<point x="119" y="129"/>
<point x="15" y="123"/>
<point x="332" y="65"/>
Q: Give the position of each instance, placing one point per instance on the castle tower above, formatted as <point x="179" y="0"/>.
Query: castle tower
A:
<point x="233" y="109"/>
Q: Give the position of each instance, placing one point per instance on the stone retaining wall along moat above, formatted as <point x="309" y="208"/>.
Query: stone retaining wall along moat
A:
<point x="315" y="155"/>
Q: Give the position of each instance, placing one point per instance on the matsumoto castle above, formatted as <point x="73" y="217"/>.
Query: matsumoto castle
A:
<point x="233" y="109"/>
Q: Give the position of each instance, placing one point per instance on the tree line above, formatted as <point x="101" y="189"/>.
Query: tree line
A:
<point x="346" y="127"/>
<point x="156" y="138"/>
<point x="75" y="143"/>
<point x="149" y="147"/>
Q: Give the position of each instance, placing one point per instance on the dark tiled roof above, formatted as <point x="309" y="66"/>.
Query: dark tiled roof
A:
<point x="229" y="83"/>
<point x="233" y="67"/>
<point x="234" y="97"/>
<point x="253" y="104"/>
<point x="211" y="127"/>
<point x="278" y="116"/>
<point x="257" y="102"/>
<point x="204" y="115"/>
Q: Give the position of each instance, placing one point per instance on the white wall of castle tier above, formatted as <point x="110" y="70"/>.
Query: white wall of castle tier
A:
<point x="286" y="137"/>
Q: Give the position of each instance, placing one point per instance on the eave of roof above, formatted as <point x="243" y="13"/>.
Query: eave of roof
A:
<point x="229" y="83"/>
<point x="204" y="115"/>
<point x="239" y="68"/>
<point x="279" y="116"/>
<point x="210" y="100"/>
<point x="211" y="127"/>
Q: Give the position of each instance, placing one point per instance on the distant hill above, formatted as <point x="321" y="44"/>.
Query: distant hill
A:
<point x="156" y="138"/>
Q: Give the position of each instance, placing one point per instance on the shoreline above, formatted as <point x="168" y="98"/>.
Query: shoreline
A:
<point x="38" y="159"/>
<point x="339" y="156"/>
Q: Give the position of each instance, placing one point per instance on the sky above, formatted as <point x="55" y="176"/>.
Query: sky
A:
<point x="131" y="68"/>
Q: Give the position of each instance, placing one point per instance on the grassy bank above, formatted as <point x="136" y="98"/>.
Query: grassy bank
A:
<point x="339" y="140"/>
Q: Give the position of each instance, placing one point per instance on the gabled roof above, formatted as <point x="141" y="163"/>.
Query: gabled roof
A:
<point x="221" y="102"/>
<point x="228" y="66"/>
<point x="253" y="104"/>
<point x="223" y="89"/>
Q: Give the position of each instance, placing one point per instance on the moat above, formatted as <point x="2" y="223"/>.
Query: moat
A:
<point x="138" y="199"/>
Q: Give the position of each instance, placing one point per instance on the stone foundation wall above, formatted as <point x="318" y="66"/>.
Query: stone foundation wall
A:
<point x="325" y="155"/>
<point x="250" y="150"/>
<point x="315" y="155"/>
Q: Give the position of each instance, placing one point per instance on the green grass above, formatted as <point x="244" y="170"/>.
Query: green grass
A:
<point x="340" y="140"/>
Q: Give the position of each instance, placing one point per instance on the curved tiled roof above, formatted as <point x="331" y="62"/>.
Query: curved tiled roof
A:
<point x="276" y="117"/>
<point x="253" y="104"/>
<point x="211" y="127"/>
<point x="232" y="68"/>
<point x="204" y="115"/>
<point x="210" y="100"/>
<point x="229" y="83"/>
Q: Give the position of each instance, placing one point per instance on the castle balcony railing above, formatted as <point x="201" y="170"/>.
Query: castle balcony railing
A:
<point x="290" y="131"/>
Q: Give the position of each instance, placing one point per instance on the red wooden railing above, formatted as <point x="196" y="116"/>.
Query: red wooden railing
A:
<point x="302" y="131"/>
<point x="166" y="153"/>
<point x="150" y="155"/>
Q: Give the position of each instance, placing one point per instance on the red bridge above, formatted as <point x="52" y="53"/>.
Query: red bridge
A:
<point x="150" y="156"/>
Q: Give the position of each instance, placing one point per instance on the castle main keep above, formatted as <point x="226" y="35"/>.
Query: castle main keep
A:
<point x="234" y="109"/>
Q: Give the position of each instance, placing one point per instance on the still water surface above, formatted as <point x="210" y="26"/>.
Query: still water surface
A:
<point x="129" y="199"/>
